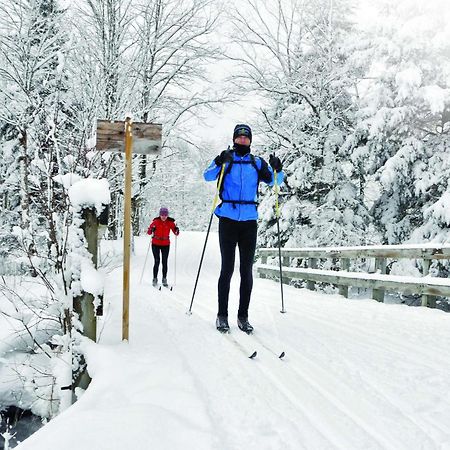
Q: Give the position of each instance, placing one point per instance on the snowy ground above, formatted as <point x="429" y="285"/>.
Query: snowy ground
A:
<point x="357" y="374"/>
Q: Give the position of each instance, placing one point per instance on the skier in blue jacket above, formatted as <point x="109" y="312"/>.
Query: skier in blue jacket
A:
<point x="237" y="217"/>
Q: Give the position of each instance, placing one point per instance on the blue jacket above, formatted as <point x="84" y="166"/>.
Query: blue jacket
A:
<point x="241" y="184"/>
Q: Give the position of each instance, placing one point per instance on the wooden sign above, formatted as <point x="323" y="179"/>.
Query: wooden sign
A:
<point x="146" y="137"/>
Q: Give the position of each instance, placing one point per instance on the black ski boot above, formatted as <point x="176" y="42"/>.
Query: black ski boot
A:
<point x="222" y="324"/>
<point x="155" y="282"/>
<point x="244" y="325"/>
<point x="164" y="282"/>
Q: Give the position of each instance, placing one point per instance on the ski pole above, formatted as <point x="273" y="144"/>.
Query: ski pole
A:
<point x="277" y="215"/>
<point x="207" y="234"/>
<point x="145" y="262"/>
<point x="175" y="265"/>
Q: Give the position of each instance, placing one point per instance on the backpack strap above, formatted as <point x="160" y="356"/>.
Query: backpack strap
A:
<point x="228" y="170"/>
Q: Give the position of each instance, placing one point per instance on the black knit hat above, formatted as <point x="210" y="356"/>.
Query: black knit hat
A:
<point x="242" y="130"/>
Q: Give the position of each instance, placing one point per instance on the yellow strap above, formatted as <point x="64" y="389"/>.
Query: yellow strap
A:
<point x="218" y="188"/>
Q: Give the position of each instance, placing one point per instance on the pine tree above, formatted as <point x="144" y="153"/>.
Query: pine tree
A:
<point x="34" y="77"/>
<point x="401" y="137"/>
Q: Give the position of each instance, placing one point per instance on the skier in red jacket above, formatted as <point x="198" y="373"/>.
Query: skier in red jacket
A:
<point x="159" y="229"/>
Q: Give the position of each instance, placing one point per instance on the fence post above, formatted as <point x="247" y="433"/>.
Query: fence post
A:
<point x="312" y="263"/>
<point x="263" y="261"/>
<point x="427" y="300"/>
<point x="83" y="304"/>
<point x="286" y="263"/>
<point x="344" y="265"/>
<point x="380" y="267"/>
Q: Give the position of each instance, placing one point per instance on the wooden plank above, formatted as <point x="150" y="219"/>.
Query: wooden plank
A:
<point x="430" y="286"/>
<point x="147" y="137"/>
<point x="391" y="251"/>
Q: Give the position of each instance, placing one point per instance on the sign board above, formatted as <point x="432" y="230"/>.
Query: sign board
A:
<point x="146" y="137"/>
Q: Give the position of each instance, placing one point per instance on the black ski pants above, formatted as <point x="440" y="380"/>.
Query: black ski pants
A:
<point x="242" y="234"/>
<point x="158" y="252"/>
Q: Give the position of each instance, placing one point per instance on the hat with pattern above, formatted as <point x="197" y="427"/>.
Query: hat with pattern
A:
<point x="241" y="129"/>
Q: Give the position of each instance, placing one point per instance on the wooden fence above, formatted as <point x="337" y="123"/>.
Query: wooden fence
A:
<point x="379" y="282"/>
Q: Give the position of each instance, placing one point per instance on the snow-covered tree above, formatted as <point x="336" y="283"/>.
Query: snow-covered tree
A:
<point x="34" y="110"/>
<point x="401" y="138"/>
<point x="296" y="56"/>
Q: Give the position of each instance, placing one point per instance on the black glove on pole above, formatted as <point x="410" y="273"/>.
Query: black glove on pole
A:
<point x="277" y="215"/>
<point x="275" y="163"/>
<point x="207" y="234"/>
<point x="225" y="157"/>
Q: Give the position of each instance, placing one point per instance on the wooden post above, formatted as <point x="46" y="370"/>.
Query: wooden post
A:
<point x="344" y="265"/>
<point x="127" y="231"/>
<point x="312" y="265"/>
<point x="286" y="263"/>
<point x="117" y="137"/>
<point x="83" y="305"/>
<point x="263" y="261"/>
<point x="427" y="300"/>
<point x="380" y="266"/>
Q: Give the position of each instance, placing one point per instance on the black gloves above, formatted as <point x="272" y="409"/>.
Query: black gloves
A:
<point x="264" y="173"/>
<point x="275" y="163"/>
<point x="225" y="157"/>
<point x="177" y="231"/>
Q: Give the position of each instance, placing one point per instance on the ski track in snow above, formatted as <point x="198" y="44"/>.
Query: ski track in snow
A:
<point x="357" y="374"/>
<point x="318" y="405"/>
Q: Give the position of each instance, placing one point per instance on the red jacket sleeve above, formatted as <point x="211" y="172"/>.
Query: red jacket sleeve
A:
<point x="174" y="228"/>
<point x="151" y="228"/>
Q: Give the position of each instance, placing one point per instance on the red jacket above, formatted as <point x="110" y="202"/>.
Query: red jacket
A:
<point x="160" y="230"/>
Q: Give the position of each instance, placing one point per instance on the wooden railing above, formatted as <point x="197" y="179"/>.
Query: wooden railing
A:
<point x="379" y="282"/>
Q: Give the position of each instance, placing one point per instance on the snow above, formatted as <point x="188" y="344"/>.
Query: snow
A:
<point x="441" y="209"/>
<point x="90" y="192"/>
<point x="357" y="374"/>
<point x="436" y="97"/>
<point x="407" y="81"/>
<point x="68" y="179"/>
<point x="91" y="280"/>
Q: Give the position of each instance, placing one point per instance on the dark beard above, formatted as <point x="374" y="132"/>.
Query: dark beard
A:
<point x="241" y="150"/>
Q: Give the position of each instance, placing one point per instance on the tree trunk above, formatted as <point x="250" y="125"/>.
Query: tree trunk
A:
<point x="24" y="194"/>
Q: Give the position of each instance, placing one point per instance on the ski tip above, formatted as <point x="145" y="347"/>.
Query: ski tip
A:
<point x="171" y="288"/>
<point x="159" y="288"/>
<point x="253" y="355"/>
<point x="282" y="355"/>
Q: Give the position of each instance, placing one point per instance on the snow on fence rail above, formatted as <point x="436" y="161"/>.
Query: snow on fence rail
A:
<point x="379" y="282"/>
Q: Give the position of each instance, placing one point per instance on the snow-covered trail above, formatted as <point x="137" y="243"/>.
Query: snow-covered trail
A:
<point x="357" y="374"/>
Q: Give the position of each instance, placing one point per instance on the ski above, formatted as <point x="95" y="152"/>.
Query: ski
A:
<point x="269" y="349"/>
<point x="160" y="286"/>
<point x="231" y="338"/>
